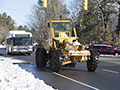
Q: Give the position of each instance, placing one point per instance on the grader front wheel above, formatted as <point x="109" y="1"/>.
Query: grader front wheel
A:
<point x="92" y="63"/>
<point x="55" y="63"/>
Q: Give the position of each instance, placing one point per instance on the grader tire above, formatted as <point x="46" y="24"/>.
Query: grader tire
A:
<point x="40" y="57"/>
<point x="36" y="57"/>
<point x="55" y="63"/>
<point x="92" y="63"/>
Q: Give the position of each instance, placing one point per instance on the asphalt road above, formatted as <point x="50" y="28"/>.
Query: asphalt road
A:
<point x="106" y="77"/>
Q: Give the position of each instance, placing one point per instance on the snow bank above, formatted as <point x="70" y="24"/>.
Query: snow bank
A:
<point x="12" y="77"/>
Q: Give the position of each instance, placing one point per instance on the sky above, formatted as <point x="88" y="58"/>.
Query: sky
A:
<point x="19" y="10"/>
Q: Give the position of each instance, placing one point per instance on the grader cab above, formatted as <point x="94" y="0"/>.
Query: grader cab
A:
<point x="64" y="48"/>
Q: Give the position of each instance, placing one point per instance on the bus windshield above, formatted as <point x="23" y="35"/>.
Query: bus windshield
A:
<point x="22" y="41"/>
<point x="61" y="26"/>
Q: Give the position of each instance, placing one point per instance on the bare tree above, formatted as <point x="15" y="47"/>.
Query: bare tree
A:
<point x="40" y="16"/>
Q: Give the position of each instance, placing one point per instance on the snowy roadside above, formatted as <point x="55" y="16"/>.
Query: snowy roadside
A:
<point x="2" y="46"/>
<point x="110" y="55"/>
<point x="12" y="77"/>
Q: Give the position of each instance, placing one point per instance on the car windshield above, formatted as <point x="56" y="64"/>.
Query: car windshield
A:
<point x="61" y="26"/>
<point x="96" y="47"/>
<point x="110" y="48"/>
<point x="22" y="41"/>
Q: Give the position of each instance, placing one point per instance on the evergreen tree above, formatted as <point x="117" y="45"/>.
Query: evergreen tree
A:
<point x="20" y="27"/>
<point x="97" y="20"/>
<point x="6" y="20"/>
<point x="6" y="24"/>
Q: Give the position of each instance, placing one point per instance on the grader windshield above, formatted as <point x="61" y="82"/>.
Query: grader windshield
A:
<point x="61" y="27"/>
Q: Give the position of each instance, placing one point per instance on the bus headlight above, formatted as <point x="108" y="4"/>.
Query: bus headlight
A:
<point x="30" y="48"/>
<point x="14" y="49"/>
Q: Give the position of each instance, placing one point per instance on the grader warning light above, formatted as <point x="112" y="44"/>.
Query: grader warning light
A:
<point x="64" y="48"/>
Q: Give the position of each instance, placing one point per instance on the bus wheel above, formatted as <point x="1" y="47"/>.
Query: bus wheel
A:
<point x="29" y="53"/>
<point x="8" y="52"/>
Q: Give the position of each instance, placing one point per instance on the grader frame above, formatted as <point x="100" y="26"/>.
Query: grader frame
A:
<point x="64" y="48"/>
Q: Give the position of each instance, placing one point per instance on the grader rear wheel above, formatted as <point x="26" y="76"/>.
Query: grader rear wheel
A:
<point x="55" y="63"/>
<point x="36" y="57"/>
<point x="40" y="57"/>
<point x="92" y="63"/>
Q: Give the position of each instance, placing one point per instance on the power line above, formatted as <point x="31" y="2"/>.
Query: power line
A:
<point x="14" y="9"/>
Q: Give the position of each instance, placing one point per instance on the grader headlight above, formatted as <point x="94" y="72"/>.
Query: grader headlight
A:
<point x="70" y="47"/>
<point x="67" y="46"/>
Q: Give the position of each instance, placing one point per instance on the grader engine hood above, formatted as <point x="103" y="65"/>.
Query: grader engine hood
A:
<point x="68" y="43"/>
<point x="64" y="38"/>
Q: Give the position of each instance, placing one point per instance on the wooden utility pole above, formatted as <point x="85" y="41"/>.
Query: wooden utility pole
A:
<point x="118" y="29"/>
<point x="119" y="22"/>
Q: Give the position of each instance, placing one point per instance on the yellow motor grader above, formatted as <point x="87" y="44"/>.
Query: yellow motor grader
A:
<point x="64" y="48"/>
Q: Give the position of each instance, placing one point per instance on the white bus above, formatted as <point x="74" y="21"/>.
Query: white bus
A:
<point x="19" y="42"/>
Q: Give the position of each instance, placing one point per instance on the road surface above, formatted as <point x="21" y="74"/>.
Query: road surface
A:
<point x="106" y="77"/>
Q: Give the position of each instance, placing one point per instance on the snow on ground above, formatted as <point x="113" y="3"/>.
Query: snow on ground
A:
<point x="2" y="46"/>
<point x="12" y="77"/>
<point x="110" y="55"/>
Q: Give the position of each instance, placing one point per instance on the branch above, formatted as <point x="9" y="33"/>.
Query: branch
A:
<point x="117" y="1"/>
<point x="115" y="4"/>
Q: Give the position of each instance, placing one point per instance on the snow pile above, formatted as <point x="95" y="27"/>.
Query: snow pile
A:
<point x="12" y="77"/>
